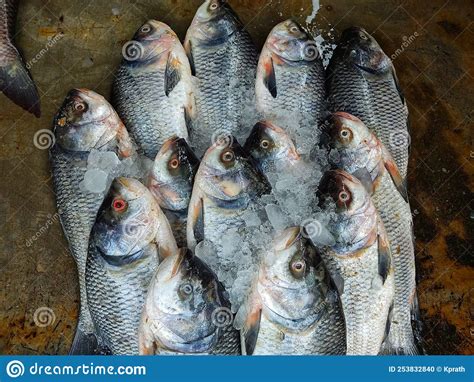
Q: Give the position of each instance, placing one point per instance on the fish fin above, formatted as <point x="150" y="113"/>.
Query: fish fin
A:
<point x="417" y="325"/>
<point x="251" y="329"/>
<point x="392" y="168"/>
<point x="269" y="80"/>
<point x="16" y="83"/>
<point x="165" y="240"/>
<point x="397" y="85"/>
<point x="365" y="178"/>
<point x="189" y="52"/>
<point x="385" y="256"/>
<point x="172" y="74"/>
<point x="338" y="281"/>
<point x="386" y="348"/>
<point x="195" y="224"/>
<point x="125" y="145"/>
<point x="188" y="119"/>
<point x="84" y="344"/>
<point x="146" y="344"/>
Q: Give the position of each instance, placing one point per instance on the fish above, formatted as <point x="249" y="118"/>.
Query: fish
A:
<point x="359" y="261"/>
<point x="15" y="79"/>
<point x="271" y="147"/>
<point x="153" y="90"/>
<point x="227" y="183"/>
<point x="295" y="308"/>
<point x="129" y="237"/>
<point x="187" y="311"/>
<point x="362" y="154"/>
<point x="171" y="183"/>
<point x="290" y="83"/>
<point x="224" y="61"/>
<point x="361" y="80"/>
<point x="84" y="122"/>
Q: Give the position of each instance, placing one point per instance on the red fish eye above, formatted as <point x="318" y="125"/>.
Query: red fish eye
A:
<point x="343" y="196"/>
<point x="119" y="205"/>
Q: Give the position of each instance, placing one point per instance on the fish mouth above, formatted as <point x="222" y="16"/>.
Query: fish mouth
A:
<point x="119" y="261"/>
<point x="295" y="324"/>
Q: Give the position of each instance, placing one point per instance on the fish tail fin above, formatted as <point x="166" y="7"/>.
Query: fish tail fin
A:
<point x="84" y="343"/>
<point x="16" y="83"/>
<point x="407" y="348"/>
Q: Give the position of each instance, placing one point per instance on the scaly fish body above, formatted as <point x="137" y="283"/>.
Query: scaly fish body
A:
<point x="15" y="80"/>
<point x="128" y="239"/>
<point x="290" y="77"/>
<point x="85" y="122"/>
<point x="362" y="154"/>
<point x="224" y="60"/>
<point x="153" y="91"/>
<point x="186" y="311"/>
<point x="296" y="310"/>
<point x="361" y="81"/>
<point x="360" y="263"/>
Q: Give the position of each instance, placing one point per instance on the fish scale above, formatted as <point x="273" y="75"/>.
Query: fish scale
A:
<point x="396" y="216"/>
<point x="77" y="209"/>
<point x="118" y="297"/>
<point x="374" y="99"/>
<point x="150" y="116"/>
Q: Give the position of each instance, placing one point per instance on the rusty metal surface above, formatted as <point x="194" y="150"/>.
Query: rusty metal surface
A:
<point x="431" y="43"/>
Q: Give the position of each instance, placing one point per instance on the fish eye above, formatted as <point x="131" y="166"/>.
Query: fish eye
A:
<point x="174" y="163"/>
<point x="213" y="6"/>
<point x="344" y="196"/>
<point x="294" y="29"/>
<point x="227" y="156"/>
<point x="265" y="144"/>
<point x="345" y="133"/>
<point x="363" y="36"/>
<point x="119" y="205"/>
<point x="186" y="289"/>
<point x="79" y="106"/>
<point x="298" y="268"/>
<point x="145" y="29"/>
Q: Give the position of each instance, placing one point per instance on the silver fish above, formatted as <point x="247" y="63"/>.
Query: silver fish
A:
<point x="271" y="147"/>
<point x="171" y="182"/>
<point x="224" y="60"/>
<point x="361" y="81"/>
<point x="295" y="309"/>
<point x="290" y="76"/>
<point x="15" y="79"/>
<point x="359" y="261"/>
<point x="128" y="239"/>
<point x="186" y="311"/>
<point x="153" y="90"/>
<point x="361" y="153"/>
<point x="85" y="122"/>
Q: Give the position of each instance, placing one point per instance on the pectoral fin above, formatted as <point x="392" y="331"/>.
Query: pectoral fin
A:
<point x="189" y="52"/>
<point x="398" y="180"/>
<point x="172" y="74"/>
<point x="269" y="78"/>
<point x="195" y="224"/>
<point x="251" y="329"/>
<point x="385" y="257"/>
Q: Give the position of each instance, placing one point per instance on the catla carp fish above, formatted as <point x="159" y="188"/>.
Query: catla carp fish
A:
<point x="295" y="309"/>
<point x="186" y="311"/>
<point x="15" y="80"/>
<point x="361" y="81"/>
<point x="290" y="76"/>
<point x="224" y="60"/>
<point x="153" y="90"/>
<point x="85" y="122"/>
<point x="359" y="261"/>
<point x="271" y="147"/>
<point x="128" y="239"/>
<point x="360" y="152"/>
<point x="171" y="182"/>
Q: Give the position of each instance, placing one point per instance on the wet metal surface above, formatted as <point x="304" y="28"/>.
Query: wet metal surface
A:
<point x="78" y="44"/>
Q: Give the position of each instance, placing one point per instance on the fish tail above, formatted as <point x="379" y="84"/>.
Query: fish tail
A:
<point x="84" y="343"/>
<point x="406" y="348"/>
<point x="17" y="84"/>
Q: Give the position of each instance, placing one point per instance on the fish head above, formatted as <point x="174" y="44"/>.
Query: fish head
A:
<point x="172" y="175"/>
<point x="288" y="276"/>
<point x="347" y="131"/>
<point x="291" y="43"/>
<point x="270" y="143"/>
<point x="85" y="121"/>
<point x="126" y="223"/>
<point x="183" y="299"/>
<point x="150" y="41"/>
<point x="229" y="172"/>
<point x="214" y="23"/>
<point x="364" y="51"/>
